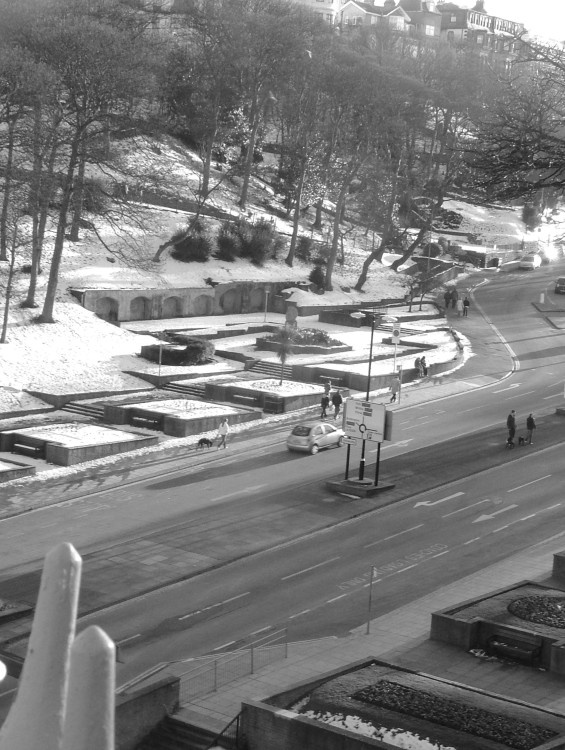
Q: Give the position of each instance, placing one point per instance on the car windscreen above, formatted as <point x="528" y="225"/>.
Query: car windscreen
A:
<point x="301" y="431"/>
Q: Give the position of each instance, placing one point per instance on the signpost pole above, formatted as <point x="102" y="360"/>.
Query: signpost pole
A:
<point x="347" y="460"/>
<point x="370" y="599"/>
<point x="377" y="464"/>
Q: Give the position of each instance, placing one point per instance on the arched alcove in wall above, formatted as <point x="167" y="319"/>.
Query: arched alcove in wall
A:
<point x="202" y="305"/>
<point x="172" y="307"/>
<point x="231" y="302"/>
<point x="107" y="308"/>
<point x="139" y="308"/>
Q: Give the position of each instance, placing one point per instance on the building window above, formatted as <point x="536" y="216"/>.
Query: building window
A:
<point x="453" y="19"/>
<point x="430" y="31"/>
<point x="479" y="38"/>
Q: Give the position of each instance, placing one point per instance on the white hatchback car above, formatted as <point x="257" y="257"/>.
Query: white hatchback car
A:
<point x="531" y="261"/>
<point x="311" y="437"/>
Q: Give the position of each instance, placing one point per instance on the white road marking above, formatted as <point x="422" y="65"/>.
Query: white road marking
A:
<point x="393" y="536"/>
<point x="313" y="567"/>
<point x="304" y="612"/>
<point x="213" y="606"/>
<point x="510" y="388"/>
<point x="552" y="507"/>
<point x="521" y="486"/>
<point x="238" y="492"/>
<point x="489" y="516"/>
<point x="525" y="518"/>
<point x="475" y="408"/>
<point x="475" y="539"/>
<point x="224" y="645"/>
<point x="261" y="630"/>
<point x="429" y="503"/>
<point x="402" y="570"/>
<point x="500" y="529"/>
<point x="330" y="601"/>
<point x="126" y="640"/>
<point x="460" y="510"/>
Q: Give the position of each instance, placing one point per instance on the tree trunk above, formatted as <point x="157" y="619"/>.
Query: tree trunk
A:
<point x="410" y="249"/>
<point x="296" y="220"/>
<point x="375" y="255"/>
<point x="335" y="238"/>
<point x="318" y="220"/>
<point x="9" y="280"/>
<point x="255" y="120"/>
<point x="49" y="302"/>
<point x="78" y="193"/>
<point x="7" y="191"/>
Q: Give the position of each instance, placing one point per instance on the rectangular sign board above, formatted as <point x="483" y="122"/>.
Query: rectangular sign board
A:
<point x="364" y="420"/>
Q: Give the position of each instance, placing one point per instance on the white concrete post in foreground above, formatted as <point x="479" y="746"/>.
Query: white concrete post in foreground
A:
<point x="66" y="693"/>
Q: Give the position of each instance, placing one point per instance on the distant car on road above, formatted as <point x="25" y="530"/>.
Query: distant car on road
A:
<point x="311" y="437"/>
<point x="531" y="261"/>
<point x="560" y="285"/>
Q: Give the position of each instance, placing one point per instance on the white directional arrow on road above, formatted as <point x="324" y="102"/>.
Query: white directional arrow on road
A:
<point x="488" y="516"/>
<point x="437" y="502"/>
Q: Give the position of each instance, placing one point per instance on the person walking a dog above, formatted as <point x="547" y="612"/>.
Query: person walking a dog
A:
<point x="530" y="427"/>
<point x="511" y="425"/>
<point x="223" y="432"/>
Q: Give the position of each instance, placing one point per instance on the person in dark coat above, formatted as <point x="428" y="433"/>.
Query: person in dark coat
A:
<point x="511" y="424"/>
<point x="337" y="401"/>
<point x="530" y="427"/>
<point x="454" y="298"/>
<point x="325" y="404"/>
<point x="447" y="297"/>
<point x="466" y="306"/>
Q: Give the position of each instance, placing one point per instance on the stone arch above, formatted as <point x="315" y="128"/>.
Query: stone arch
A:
<point x="257" y="299"/>
<point x="172" y="307"/>
<point x="231" y="301"/>
<point x="202" y="305"/>
<point x="107" y="308"/>
<point x="139" y="308"/>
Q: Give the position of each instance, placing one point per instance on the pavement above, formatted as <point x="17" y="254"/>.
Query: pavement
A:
<point x="400" y="636"/>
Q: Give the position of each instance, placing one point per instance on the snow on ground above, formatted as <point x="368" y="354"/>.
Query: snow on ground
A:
<point x="286" y="388"/>
<point x="186" y="407"/>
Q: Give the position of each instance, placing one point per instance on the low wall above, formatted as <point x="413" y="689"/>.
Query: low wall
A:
<point x="263" y="344"/>
<point x="16" y="472"/>
<point x="275" y="403"/>
<point x="182" y="427"/>
<point x="138" y="712"/>
<point x="60" y="399"/>
<point x="63" y="455"/>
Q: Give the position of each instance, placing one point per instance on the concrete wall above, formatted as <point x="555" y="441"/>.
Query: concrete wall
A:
<point x="67" y="456"/>
<point x="138" y="712"/>
<point x="115" y="305"/>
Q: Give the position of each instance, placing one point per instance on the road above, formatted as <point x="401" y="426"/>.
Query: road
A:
<point x="318" y="584"/>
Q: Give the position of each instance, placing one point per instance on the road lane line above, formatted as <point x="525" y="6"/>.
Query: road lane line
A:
<point x="510" y="388"/>
<point x="460" y="510"/>
<point x="330" y="601"/>
<point x="525" y="518"/>
<point x="304" y="612"/>
<point x="237" y="492"/>
<point x="500" y="529"/>
<point x="403" y="570"/>
<point x="439" y="554"/>
<point x="552" y="507"/>
<point x="429" y="503"/>
<point x="261" y="630"/>
<point x="225" y="645"/>
<point x="393" y="536"/>
<point x="475" y="539"/>
<point x="213" y="606"/>
<point x="521" y="486"/>
<point x="313" y="567"/>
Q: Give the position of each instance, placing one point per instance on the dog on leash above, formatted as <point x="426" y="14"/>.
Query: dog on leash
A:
<point x="521" y="441"/>
<point x="205" y="443"/>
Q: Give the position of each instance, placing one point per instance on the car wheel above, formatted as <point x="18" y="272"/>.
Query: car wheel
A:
<point x="314" y="449"/>
<point x="340" y="442"/>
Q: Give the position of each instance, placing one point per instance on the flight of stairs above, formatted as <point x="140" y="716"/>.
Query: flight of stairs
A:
<point x="85" y="410"/>
<point x="271" y="370"/>
<point x="197" y="389"/>
<point x="171" y="734"/>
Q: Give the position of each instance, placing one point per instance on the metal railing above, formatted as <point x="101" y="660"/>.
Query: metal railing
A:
<point x="209" y="673"/>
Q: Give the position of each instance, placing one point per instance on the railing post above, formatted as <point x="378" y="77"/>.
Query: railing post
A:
<point x="215" y="675"/>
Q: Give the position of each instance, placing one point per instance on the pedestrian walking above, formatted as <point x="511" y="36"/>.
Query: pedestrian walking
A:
<point x="511" y="425"/>
<point x="460" y="307"/>
<point x="394" y="388"/>
<point x="325" y="403"/>
<point x="447" y="297"/>
<point x="454" y="298"/>
<point x="418" y="367"/>
<point x="223" y="432"/>
<point x="337" y="401"/>
<point x="327" y="388"/>
<point x="466" y="306"/>
<point x="424" y="367"/>
<point x="530" y="427"/>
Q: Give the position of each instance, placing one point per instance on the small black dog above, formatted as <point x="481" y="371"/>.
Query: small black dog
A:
<point x="521" y="440"/>
<point x="205" y="443"/>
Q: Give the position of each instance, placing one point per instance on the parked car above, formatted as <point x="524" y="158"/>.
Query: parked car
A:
<point x="530" y="261"/>
<point x="560" y="285"/>
<point x="313" y="436"/>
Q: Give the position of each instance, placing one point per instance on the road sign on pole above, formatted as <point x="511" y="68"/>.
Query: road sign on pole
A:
<point x="396" y="333"/>
<point x="364" y="420"/>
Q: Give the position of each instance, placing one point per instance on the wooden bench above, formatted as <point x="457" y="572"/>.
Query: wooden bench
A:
<point x="522" y="647"/>
<point x="151" y="423"/>
<point x="240" y="398"/>
<point x="30" y="450"/>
